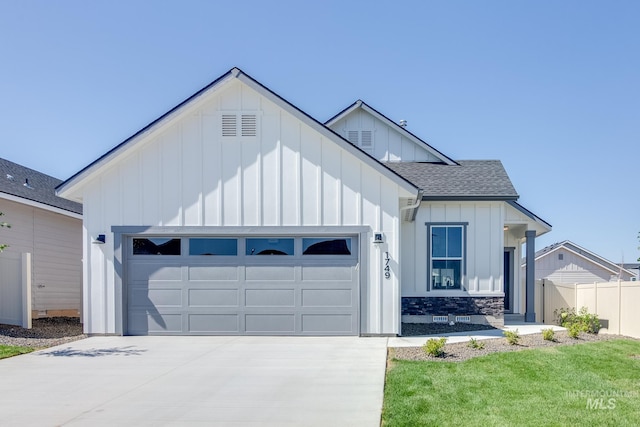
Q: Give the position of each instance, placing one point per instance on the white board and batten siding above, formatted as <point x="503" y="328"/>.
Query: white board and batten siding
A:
<point x="484" y="251"/>
<point x="288" y="175"/>
<point x="383" y="143"/>
<point x="54" y="240"/>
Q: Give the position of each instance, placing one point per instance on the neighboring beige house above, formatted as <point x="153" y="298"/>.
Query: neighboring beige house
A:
<point x="48" y="227"/>
<point x="567" y="263"/>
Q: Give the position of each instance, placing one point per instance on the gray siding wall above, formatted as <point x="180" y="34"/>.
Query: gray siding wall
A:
<point x="571" y="269"/>
<point x="55" y="242"/>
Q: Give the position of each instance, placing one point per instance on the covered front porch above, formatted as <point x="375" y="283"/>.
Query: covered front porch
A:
<point x="521" y="227"/>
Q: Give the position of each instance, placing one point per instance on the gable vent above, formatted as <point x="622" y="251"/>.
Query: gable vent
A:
<point x="352" y="136"/>
<point x="249" y="124"/>
<point x="229" y="125"/>
<point x="366" y="138"/>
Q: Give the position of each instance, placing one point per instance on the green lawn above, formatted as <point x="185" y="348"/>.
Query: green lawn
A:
<point x="558" y="386"/>
<point x="10" y="350"/>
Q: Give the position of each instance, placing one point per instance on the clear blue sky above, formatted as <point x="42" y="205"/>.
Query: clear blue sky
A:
<point x="551" y="88"/>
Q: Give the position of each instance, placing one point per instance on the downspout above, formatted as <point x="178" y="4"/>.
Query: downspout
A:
<point x="415" y="205"/>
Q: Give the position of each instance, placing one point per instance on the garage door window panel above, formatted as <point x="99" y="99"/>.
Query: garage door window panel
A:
<point x="209" y="247"/>
<point x="326" y="246"/>
<point x="270" y="246"/>
<point x="156" y="246"/>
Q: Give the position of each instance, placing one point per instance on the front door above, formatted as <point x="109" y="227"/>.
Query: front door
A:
<point x="508" y="280"/>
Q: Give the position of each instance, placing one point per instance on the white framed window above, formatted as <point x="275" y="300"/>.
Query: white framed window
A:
<point x="361" y="138"/>
<point x="239" y="124"/>
<point x="446" y="255"/>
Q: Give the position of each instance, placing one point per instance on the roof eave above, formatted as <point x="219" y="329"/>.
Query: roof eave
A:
<point x="469" y="198"/>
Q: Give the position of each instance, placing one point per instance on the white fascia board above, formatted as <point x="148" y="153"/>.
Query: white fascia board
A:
<point x="69" y="188"/>
<point x="543" y="226"/>
<point x="327" y="133"/>
<point x="39" y="205"/>
<point x="399" y="129"/>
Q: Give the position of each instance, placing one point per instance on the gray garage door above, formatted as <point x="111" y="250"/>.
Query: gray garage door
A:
<point x="242" y="285"/>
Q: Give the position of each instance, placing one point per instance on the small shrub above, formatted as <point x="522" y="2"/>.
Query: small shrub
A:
<point x="574" y="330"/>
<point x="548" y="335"/>
<point x="587" y="322"/>
<point x="474" y="343"/>
<point x="513" y="337"/>
<point x="435" y="347"/>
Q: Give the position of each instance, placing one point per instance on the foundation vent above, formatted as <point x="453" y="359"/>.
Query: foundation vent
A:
<point x="440" y="319"/>
<point x="463" y="319"/>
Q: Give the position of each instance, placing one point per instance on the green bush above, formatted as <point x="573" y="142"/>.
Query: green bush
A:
<point x="574" y="330"/>
<point x="548" y="335"/>
<point x="585" y="321"/>
<point x="435" y="347"/>
<point x="513" y="337"/>
<point x="474" y="343"/>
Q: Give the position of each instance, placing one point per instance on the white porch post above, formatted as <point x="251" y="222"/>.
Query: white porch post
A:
<point x="530" y="315"/>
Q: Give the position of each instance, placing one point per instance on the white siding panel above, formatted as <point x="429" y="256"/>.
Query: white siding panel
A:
<point x="130" y="186"/>
<point x="251" y="183"/>
<point x="291" y="172"/>
<point x="231" y="183"/>
<point x="192" y="161"/>
<point x="150" y="185"/>
<point x="350" y="174"/>
<point x="211" y="171"/>
<point x="171" y="177"/>
<point x="311" y="153"/>
<point x="331" y="184"/>
<point x="270" y="171"/>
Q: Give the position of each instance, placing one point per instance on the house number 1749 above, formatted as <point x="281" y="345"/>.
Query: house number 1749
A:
<point x="387" y="269"/>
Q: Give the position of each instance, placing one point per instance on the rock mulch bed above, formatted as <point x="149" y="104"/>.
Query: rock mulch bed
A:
<point x="46" y="332"/>
<point x="459" y="352"/>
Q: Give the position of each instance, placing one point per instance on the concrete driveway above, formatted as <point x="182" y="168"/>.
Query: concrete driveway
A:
<point x="207" y="381"/>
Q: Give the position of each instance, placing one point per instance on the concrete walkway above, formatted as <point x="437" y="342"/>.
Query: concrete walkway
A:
<point x="522" y="327"/>
<point x="203" y="381"/>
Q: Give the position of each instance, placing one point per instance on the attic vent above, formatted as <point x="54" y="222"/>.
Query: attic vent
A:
<point x="249" y="125"/>
<point x="440" y="319"/>
<point x="229" y="125"/>
<point x="361" y="138"/>
<point x="352" y="136"/>
<point x="366" y="139"/>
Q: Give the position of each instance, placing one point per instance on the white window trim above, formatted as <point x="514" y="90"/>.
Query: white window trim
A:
<point x="430" y="259"/>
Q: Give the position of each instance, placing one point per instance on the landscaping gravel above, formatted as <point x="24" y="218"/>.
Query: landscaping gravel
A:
<point x="46" y="332"/>
<point x="459" y="352"/>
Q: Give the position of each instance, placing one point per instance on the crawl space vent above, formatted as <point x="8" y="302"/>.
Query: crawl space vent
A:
<point x="463" y="319"/>
<point x="440" y="319"/>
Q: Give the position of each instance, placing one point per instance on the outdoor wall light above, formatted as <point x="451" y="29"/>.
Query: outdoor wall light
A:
<point x="100" y="240"/>
<point x="377" y="238"/>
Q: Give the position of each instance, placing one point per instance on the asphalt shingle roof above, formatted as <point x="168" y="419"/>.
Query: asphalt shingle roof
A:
<point x="470" y="179"/>
<point x="40" y="188"/>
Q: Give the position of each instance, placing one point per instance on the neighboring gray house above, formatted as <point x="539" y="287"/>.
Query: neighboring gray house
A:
<point x="237" y="213"/>
<point x="50" y="228"/>
<point x="567" y="263"/>
<point x="633" y="267"/>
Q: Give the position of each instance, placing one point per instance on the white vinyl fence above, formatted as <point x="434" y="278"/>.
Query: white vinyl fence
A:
<point x="615" y="303"/>
<point x="15" y="289"/>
